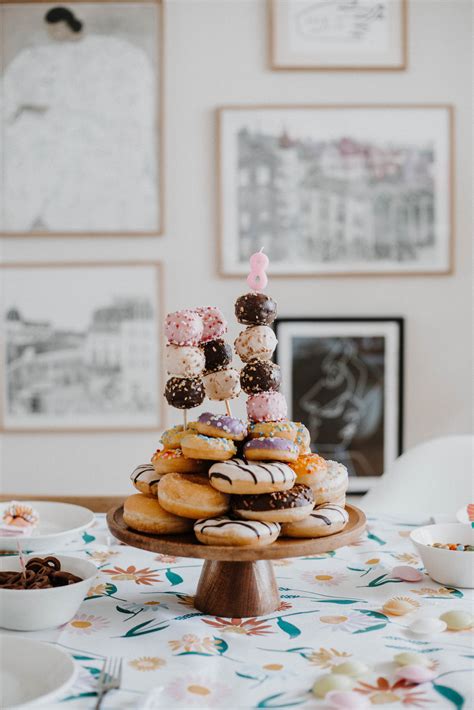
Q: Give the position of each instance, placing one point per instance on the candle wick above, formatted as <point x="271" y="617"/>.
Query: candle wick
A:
<point x="262" y="249"/>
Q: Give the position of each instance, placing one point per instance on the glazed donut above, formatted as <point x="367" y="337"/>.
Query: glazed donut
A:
<point x="303" y="438"/>
<point x="223" y="384"/>
<point x="228" y="531"/>
<point x="266" y="407"/>
<point x="184" y="327"/>
<point x="145" y="479"/>
<point x="210" y="448"/>
<point x="221" y="425"/>
<point x="260" y="376"/>
<point x="147" y="515"/>
<point x="171" y="438"/>
<point x="215" y="325"/>
<point x="255" y="309"/>
<point x="283" y="429"/>
<point x="191" y="496"/>
<point x="240" y="477"/>
<point x="257" y="342"/>
<point x="327" y="479"/>
<point x="184" y="360"/>
<point x="217" y="354"/>
<point x="270" y="449"/>
<point x="174" y="461"/>
<point x="278" y="507"/>
<point x="324" y="520"/>
<point x="184" y="392"/>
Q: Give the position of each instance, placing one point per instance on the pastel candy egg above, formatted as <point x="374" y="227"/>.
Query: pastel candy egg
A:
<point x="353" y="669"/>
<point x="457" y="620"/>
<point x="407" y="574"/>
<point x="183" y="327"/>
<point x="214" y="323"/>
<point x="399" y="606"/>
<point x="411" y="658"/>
<point x="415" y="674"/>
<point x="346" y="700"/>
<point x="427" y="627"/>
<point x="331" y="681"/>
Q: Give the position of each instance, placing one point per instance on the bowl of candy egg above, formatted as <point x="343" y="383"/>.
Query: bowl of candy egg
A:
<point x="42" y="592"/>
<point x="447" y="552"/>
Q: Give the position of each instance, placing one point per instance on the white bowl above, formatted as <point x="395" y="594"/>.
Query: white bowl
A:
<point x="33" y="673"/>
<point x="452" y="568"/>
<point x="36" y="609"/>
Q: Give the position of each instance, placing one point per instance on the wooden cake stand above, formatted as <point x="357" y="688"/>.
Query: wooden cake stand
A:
<point x="236" y="582"/>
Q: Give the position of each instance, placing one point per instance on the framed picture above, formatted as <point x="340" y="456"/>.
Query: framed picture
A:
<point x="81" y="347"/>
<point x="332" y="190"/>
<point x="336" y="34"/>
<point x="81" y="134"/>
<point x="344" y="380"/>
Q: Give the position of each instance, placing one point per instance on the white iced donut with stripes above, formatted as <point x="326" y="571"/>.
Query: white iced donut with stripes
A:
<point x="241" y="477"/>
<point x="145" y="479"/>
<point x="230" y="532"/>
<point x="325" y="519"/>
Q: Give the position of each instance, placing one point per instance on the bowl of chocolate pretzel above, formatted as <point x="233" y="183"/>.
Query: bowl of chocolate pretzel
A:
<point x="42" y="592"/>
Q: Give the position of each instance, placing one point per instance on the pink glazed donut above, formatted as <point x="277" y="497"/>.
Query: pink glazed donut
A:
<point x="267" y="407"/>
<point x="184" y="327"/>
<point x="215" y="325"/>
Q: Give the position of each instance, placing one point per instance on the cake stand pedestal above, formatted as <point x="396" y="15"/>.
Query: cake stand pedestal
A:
<point x="236" y="582"/>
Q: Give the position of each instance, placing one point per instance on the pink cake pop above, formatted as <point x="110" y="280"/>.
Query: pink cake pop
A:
<point x="184" y="327"/>
<point x="215" y="325"/>
<point x="267" y="407"/>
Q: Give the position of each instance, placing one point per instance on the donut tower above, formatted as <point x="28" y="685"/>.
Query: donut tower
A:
<point x="234" y="482"/>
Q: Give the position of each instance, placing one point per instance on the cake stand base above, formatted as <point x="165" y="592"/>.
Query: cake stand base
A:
<point x="237" y="589"/>
<point x="236" y="582"/>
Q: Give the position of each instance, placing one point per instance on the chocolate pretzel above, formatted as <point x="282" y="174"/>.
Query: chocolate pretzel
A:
<point x="40" y="573"/>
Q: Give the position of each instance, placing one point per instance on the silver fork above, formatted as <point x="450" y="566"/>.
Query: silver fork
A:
<point x="109" y="679"/>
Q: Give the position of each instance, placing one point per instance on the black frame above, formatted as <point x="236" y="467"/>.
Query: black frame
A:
<point x="399" y="320"/>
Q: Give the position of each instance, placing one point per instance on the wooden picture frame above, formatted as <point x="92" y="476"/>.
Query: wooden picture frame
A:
<point x="280" y="40"/>
<point x="274" y="123"/>
<point x="348" y="388"/>
<point x="118" y="313"/>
<point x="156" y="192"/>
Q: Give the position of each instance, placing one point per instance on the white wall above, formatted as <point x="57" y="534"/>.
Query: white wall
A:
<point x="216" y="54"/>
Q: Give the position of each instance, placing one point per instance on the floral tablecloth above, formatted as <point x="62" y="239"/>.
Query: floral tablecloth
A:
<point x="141" y="609"/>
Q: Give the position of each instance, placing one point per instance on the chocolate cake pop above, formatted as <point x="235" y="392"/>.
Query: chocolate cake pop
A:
<point x="260" y="376"/>
<point x="255" y="309"/>
<point x="218" y="355"/>
<point x="184" y="392"/>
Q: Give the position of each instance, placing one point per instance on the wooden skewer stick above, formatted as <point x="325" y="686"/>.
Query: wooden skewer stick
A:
<point x="185" y="418"/>
<point x="22" y="559"/>
<point x="228" y="409"/>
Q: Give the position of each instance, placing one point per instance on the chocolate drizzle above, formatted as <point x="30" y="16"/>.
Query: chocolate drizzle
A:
<point x="251" y="470"/>
<point x="202" y="525"/>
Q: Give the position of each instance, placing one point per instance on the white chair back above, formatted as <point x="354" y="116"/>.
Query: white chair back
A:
<point x="435" y="477"/>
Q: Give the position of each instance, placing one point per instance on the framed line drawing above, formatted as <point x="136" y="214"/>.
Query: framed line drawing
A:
<point x="337" y="189"/>
<point x="329" y="35"/>
<point x="84" y="353"/>
<point x="345" y="382"/>
<point x="81" y="131"/>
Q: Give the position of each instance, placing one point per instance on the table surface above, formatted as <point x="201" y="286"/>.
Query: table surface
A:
<point x="141" y="609"/>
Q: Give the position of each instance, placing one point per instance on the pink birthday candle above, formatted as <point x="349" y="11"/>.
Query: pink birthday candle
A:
<point x="257" y="279"/>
